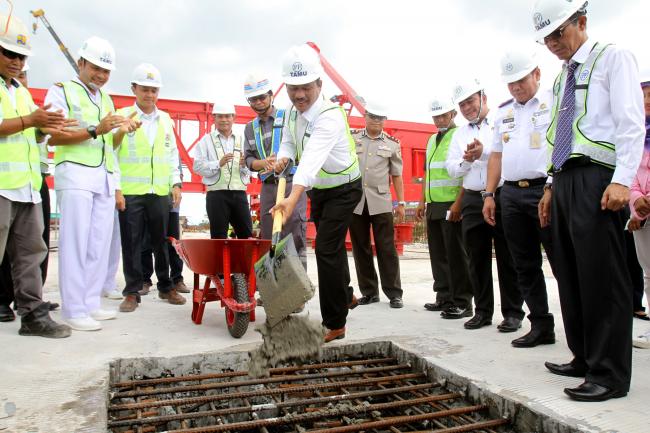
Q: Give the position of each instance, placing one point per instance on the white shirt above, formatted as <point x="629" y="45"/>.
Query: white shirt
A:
<point x="328" y="146"/>
<point x="24" y="194"/>
<point x="206" y="161"/>
<point x="520" y="134"/>
<point x="474" y="173"/>
<point x="614" y="107"/>
<point x="68" y="175"/>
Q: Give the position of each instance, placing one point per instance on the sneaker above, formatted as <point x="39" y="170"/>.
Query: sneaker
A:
<point x="180" y="287"/>
<point x="84" y="324"/>
<point x="642" y="341"/>
<point x="103" y="314"/>
<point x="113" y="294"/>
<point x="39" y="323"/>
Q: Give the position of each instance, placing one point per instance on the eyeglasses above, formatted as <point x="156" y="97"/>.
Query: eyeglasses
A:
<point x="12" y="55"/>
<point x="258" y="98"/>
<point x="557" y="34"/>
<point x="375" y="117"/>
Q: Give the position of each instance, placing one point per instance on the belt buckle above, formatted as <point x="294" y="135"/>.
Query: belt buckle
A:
<point x="523" y="183"/>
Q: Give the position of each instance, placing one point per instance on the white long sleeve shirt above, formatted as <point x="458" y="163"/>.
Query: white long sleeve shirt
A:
<point x="474" y="173"/>
<point x="206" y="161"/>
<point x="328" y="146"/>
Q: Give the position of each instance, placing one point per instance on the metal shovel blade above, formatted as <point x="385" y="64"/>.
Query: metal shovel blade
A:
<point x="282" y="281"/>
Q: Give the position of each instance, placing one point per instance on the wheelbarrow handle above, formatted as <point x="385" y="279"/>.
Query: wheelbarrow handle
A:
<point x="277" y="219"/>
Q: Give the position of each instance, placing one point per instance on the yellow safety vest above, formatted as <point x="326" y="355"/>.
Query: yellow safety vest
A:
<point x="439" y="186"/>
<point x="230" y="175"/>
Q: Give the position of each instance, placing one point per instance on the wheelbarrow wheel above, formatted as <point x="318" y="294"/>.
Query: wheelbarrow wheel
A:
<point x="238" y="322"/>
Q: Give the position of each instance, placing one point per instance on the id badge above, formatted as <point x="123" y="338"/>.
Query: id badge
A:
<point x="535" y="140"/>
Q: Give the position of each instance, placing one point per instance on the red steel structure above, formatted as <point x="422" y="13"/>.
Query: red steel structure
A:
<point x="413" y="136"/>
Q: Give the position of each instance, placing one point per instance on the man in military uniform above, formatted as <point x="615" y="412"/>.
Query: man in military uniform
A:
<point x="520" y="157"/>
<point x="443" y="195"/>
<point x="380" y="161"/>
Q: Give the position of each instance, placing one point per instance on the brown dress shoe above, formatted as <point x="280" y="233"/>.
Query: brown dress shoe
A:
<point x="354" y="303"/>
<point x="172" y="297"/>
<point x="129" y="304"/>
<point x="146" y="287"/>
<point x="334" y="334"/>
<point x="180" y="287"/>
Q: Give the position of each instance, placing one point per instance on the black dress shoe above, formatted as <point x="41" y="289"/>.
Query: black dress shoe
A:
<point x="456" y="313"/>
<point x="478" y="321"/>
<point x="437" y="306"/>
<point x="396" y="303"/>
<point x="6" y="313"/>
<point x="509" y="324"/>
<point x="566" y="369"/>
<point x="590" y="391"/>
<point x="365" y="300"/>
<point x="53" y="305"/>
<point x="534" y="338"/>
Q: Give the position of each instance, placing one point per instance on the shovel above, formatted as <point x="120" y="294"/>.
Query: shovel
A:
<point x="281" y="278"/>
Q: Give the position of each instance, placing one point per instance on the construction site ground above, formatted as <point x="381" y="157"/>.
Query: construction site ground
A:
<point x="45" y="384"/>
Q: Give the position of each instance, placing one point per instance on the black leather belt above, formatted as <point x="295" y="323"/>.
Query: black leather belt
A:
<point x="273" y="180"/>
<point x="526" y="183"/>
<point x="578" y="161"/>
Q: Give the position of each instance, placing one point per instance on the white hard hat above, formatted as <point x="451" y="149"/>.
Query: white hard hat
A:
<point x="465" y="89"/>
<point x="16" y="36"/>
<point x="146" y="74"/>
<point x="516" y="64"/>
<point x="441" y="106"/>
<point x="99" y="52"/>
<point x="256" y="85"/>
<point x="548" y="15"/>
<point x="376" y="108"/>
<point x="301" y="65"/>
<point x="223" y="108"/>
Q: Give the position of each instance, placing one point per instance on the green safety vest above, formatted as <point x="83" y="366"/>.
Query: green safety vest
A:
<point x="230" y="175"/>
<point x="145" y="168"/>
<point x="600" y="152"/>
<point x="92" y="152"/>
<point x="439" y="186"/>
<point x="19" y="153"/>
<point x="324" y="179"/>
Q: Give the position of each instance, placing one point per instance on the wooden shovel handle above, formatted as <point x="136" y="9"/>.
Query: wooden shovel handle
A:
<point x="277" y="219"/>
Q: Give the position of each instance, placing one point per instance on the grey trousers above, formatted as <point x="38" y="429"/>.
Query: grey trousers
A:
<point x="21" y="229"/>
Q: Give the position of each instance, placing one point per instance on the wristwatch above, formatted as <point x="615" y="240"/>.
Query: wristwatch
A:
<point x="485" y="194"/>
<point x="92" y="130"/>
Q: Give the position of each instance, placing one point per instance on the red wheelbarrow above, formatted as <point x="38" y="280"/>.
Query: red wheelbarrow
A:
<point x="235" y="260"/>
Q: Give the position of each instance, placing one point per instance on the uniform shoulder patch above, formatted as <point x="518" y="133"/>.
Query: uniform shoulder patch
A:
<point x="355" y="131"/>
<point x="59" y="84"/>
<point x="503" y="104"/>
<point x="390" y="137"/>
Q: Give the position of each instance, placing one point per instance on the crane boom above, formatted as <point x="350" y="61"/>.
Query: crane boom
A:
<point x="40" y="13"/>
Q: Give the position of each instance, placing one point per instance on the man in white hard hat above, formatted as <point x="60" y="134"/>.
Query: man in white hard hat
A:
<point x="148" y="159"/>
<point x="85" y="186"/>
<point x="263" y="136"/>
<point x="22" y="124"/>
<point x="467" y="157"/>
<point x="443" y="196"/>
<point x="317" y="136"/>
<point x="219" y="158"/>
<point x="380" y="162"/>
<point x="519" y="157"/>
<point x="596" y="135"/>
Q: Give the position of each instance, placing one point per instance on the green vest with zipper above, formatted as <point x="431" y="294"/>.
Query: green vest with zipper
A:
<point x="91" y="152"/>
<point x="145" y="167"/>
<point x="439" y="186"/>
<point x="324" y="179"/>
<point x="600" y="152"/>
<point x="19" y="152"/>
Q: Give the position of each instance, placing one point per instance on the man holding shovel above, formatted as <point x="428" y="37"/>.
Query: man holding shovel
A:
<point x="316" y="134"/>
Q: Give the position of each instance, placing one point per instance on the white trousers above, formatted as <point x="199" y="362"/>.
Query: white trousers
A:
<point x="110" y="283"/>
<point x="87" y="220"/>
<point x="642" y="245"/>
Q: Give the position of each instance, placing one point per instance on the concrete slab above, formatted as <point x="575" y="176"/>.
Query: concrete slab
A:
<point x="57" y="385"/>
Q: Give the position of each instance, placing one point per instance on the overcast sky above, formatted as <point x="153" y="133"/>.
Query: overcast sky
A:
<point x="401" y="53"/>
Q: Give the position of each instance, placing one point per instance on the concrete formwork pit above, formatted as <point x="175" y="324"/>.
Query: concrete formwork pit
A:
<point x="376" y="386"/>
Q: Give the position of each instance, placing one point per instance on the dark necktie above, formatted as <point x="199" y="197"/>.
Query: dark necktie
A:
<point x="564" y="130"/>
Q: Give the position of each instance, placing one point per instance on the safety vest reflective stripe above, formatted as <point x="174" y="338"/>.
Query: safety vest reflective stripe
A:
<point x="437" y="164"/>
<point x="445" y="182"/>
<point x="440" y="187"/>
<point x="325" y="179"/>
<point x="276" y="139"/>
<point x="230" y="175"/>
<point x="91" y="152"/>
<point x="19" y="152"/>
<point x="600" y="152"/>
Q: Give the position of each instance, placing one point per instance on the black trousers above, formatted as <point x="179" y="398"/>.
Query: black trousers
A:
<point x="592" y="275"/>
<point x="331" y="211"/>
<point x="6" y="282"/>
<point x="449" y="262"/>
<point x="478" y="237"/>
<point x="148" y="212"/>
<point x="524" y="236"/>
<point x="175" y="262"/>
<point x="228" y="207"/>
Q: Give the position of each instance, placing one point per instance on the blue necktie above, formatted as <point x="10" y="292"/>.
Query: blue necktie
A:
<point x="564" y="130"/>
